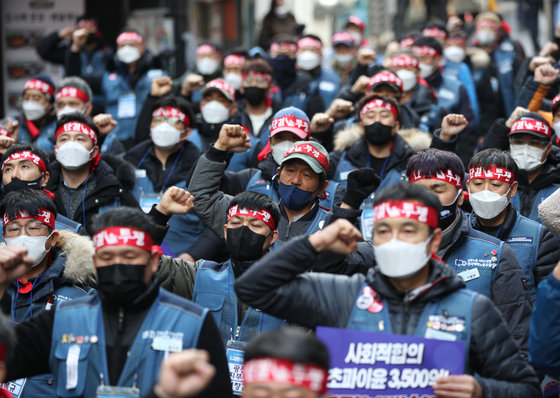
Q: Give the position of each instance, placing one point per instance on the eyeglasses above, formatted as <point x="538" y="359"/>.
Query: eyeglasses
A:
<point x="255" y="80"/>
<point x="163" y="119"/>
<point x="531" y="142"/>
<point x="33" y="228"/>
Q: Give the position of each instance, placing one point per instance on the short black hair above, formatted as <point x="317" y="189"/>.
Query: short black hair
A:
<point x="406" y="191"/>
<point x="414" y="34"/>
<point x="131" y="217"/>
<point x="29" y="200"/>
<point x="366" y="99"/>
<point x="430" y="42"/>
<point x="312" y="36"/>
<point x="284" y="38"/>
<point x="7" y="337"/>
<point x="431" y="161"/>
<point x="176" y="102"/>
<point x="77" y="117"/>
<point x="289" y="343"/>
<point x="257" y="65"/>
<point x="27" y="147"/>
<point x="257" y="201"/>
<point x="494" y="157"/>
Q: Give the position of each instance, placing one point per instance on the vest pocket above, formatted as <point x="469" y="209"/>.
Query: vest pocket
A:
<point x="62" y="373"/>
<point x="214" y="303"/>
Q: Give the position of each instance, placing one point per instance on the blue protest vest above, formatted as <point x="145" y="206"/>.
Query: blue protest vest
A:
<point x="457" y="304"/>
<point x="448" y="93"/>
<point x="475" y="260"/>
<point x="258" y="184"/>
<point x="328" y="84"/>
<point x="525" y="239"/>
<point x="213" y="289"/>
<point x="462" y="73"/>
<point x="539" y="198"/>
<point x="504" y="57"/>
<point x="108" y="143"/>
<point x="92" y="66"/>
<point x="115" y="86"/>
<point x="184" y="229"/>
<point x="345" y="167"/>
<point x="170" y="316"/>
<point x="45" y="139"/>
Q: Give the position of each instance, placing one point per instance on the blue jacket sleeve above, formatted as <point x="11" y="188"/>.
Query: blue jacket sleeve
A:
<point x="465" y="77"/>
<point x="544" y="336"/>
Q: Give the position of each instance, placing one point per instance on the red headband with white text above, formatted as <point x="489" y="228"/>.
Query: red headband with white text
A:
<point x="263" y="215"/>
<point x="130" y="36"/>
<point x="72" y="92"/>
<point x="405" y="209"/>
<point x="445" y="176"/>
<point x="379" y="103"/>
<point x="234" y="59"/>
<point x="272" y="370"/>
<point x="79" y="128"/>
<point x="43" y="215"/>
<point x="122" y="236"/>
<point x="532" y="125"/>
<point x="36" y="84"/>
<point x="28" y="155"/>
<point x="169" y="111"/>
<point x="426" y="50"/>
<point x="404" y="61"/>
<point x="492" y="173"/>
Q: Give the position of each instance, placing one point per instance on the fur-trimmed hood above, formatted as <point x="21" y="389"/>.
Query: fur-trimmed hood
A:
<point x="78" y="267"/>
<point x="347" y="137"/>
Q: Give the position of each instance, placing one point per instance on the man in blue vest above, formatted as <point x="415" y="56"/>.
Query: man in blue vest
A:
<point x="380" y="148"/>
<point x="400" y="292"/>
<point x="486" y="264"/>
<point x="491" y="186"/>
<point x="113" y="342"/>
<point x="24" y="166"/>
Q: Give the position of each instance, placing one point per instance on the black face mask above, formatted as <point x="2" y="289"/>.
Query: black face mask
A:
<point x="16" y="185"/>
<point x="284" y="70"/>
<point x="378" y="133"/>
<point x="91" y="38"/>
<point x="244" y="244"/>
<point x="254" y="95"/>
<point x="448" y="214"/>
<point x="121" y="284"/>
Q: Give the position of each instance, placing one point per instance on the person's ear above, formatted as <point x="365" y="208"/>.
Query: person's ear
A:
<point x="436" y="240"/>
<point x="53" y="239"/>
<point x="95" y="152"/>
<point x="461" y="198"/>
<point x="513" y="189"/>
<point x="45" y="179"/>
<point x="89" y="107"/>
<point x="225" y="231"/>
<point x="154" y="260"/>
<point x="275" y="236"/>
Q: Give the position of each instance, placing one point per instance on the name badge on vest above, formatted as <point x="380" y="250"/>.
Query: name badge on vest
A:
<point x="127" y="106"/>
<point x="235" y="351"/>
<point x="469" y="274"/>
<point x="147" y="200"/>
<point x="15" y="387"/>
<point x="326" y="86"/>
<point x="119" y="392"/>
<point x="72" y="366"/>
<point x="442" y="327"/>
<point x="167" y="344"/>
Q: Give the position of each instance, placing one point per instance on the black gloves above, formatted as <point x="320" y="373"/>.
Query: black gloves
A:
<point x="360" y="184"/>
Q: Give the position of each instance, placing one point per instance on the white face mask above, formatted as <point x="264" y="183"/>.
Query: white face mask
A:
<point x="454" y="54"/>
<point x="356" y="36"/>
<point x="279" y="151"/>
<point x="72" y="155"/>
<point x="485" y="37"/>
<point x="527" y="157"/>
<point x="207" y="66"/>
<point x="487" y="204"/>
<point x="165" y="136"/>
<point x="409" y="79"/>
<point x="35" y="246"/>
<point x="556" y="127"/>
<point x="234" y="80"/>
<point x="128" y="54"/>
<point x="67" y="110"/>
<point x="308" y="60"/>
<point x="33" y="110"/>
<point x="425" y="70"/>
<point x="400" y="260"/>
<point x="214" y="112"/>
<point x="343" y="59"/>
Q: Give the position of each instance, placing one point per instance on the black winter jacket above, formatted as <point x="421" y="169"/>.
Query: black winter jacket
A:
<point x="278" y="285"/>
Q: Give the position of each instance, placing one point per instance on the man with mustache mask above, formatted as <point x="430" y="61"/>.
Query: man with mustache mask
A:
<point x="112" y="343"/>
<point x="37" y="120"/>
<point x="408" y="284"/>
<point x="486" y="264"/>
<point x="61" y="271"/>
<point x="83" y="184"/>
<point x="491" y="186"/>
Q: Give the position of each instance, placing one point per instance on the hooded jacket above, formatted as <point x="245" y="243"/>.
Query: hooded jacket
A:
<point x="114" y="178"/>
<point x="278" y="285"/>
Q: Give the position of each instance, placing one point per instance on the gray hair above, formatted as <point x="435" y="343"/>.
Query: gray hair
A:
<point x="79" y="83"/>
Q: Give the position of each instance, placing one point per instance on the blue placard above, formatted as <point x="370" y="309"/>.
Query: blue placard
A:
<point x="376" y="365"/>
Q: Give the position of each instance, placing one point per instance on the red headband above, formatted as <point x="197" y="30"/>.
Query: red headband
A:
<point x="45" y="216"/>
<point x="130" y="36"/>
<point x="169" y="111"/>
<point x="385" y="77"/>
<point x="266" y="370"/>
<point x="405" y="209"/>
<point x="407" y="42"/>
<point x="122" y="236"/>
<point x="281" y="123"/>
<point x="221" y="85"/>
<point x="434" y="32"/>
<point x="234" y="59"/>
<point x="205" y="49"/>
<point x="531" y="125"/>
<point x="344" y="38"/>
<point x="404" y="60"/>
<point x="309" y="42"/>
<point x="274" y="47"/>
<point x="36" y="84"/>
<point x="555" y="102"/>
<point x="491" y="173"/>
<point x="77" y="127"/>
<point x="445" y="176"/>
<point x="379" y="103"/>
<point x="310" y="150"/>
<point x="426" y="50"/>
<point x="265" y="76"/>
<point x="4" y="132"/>
<point x="33" y="158"/>
<point x="262" y="215"/>
<point x="487" y="23"/>
<point x="71" y="92"/>
<point x="356" y="21"/>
